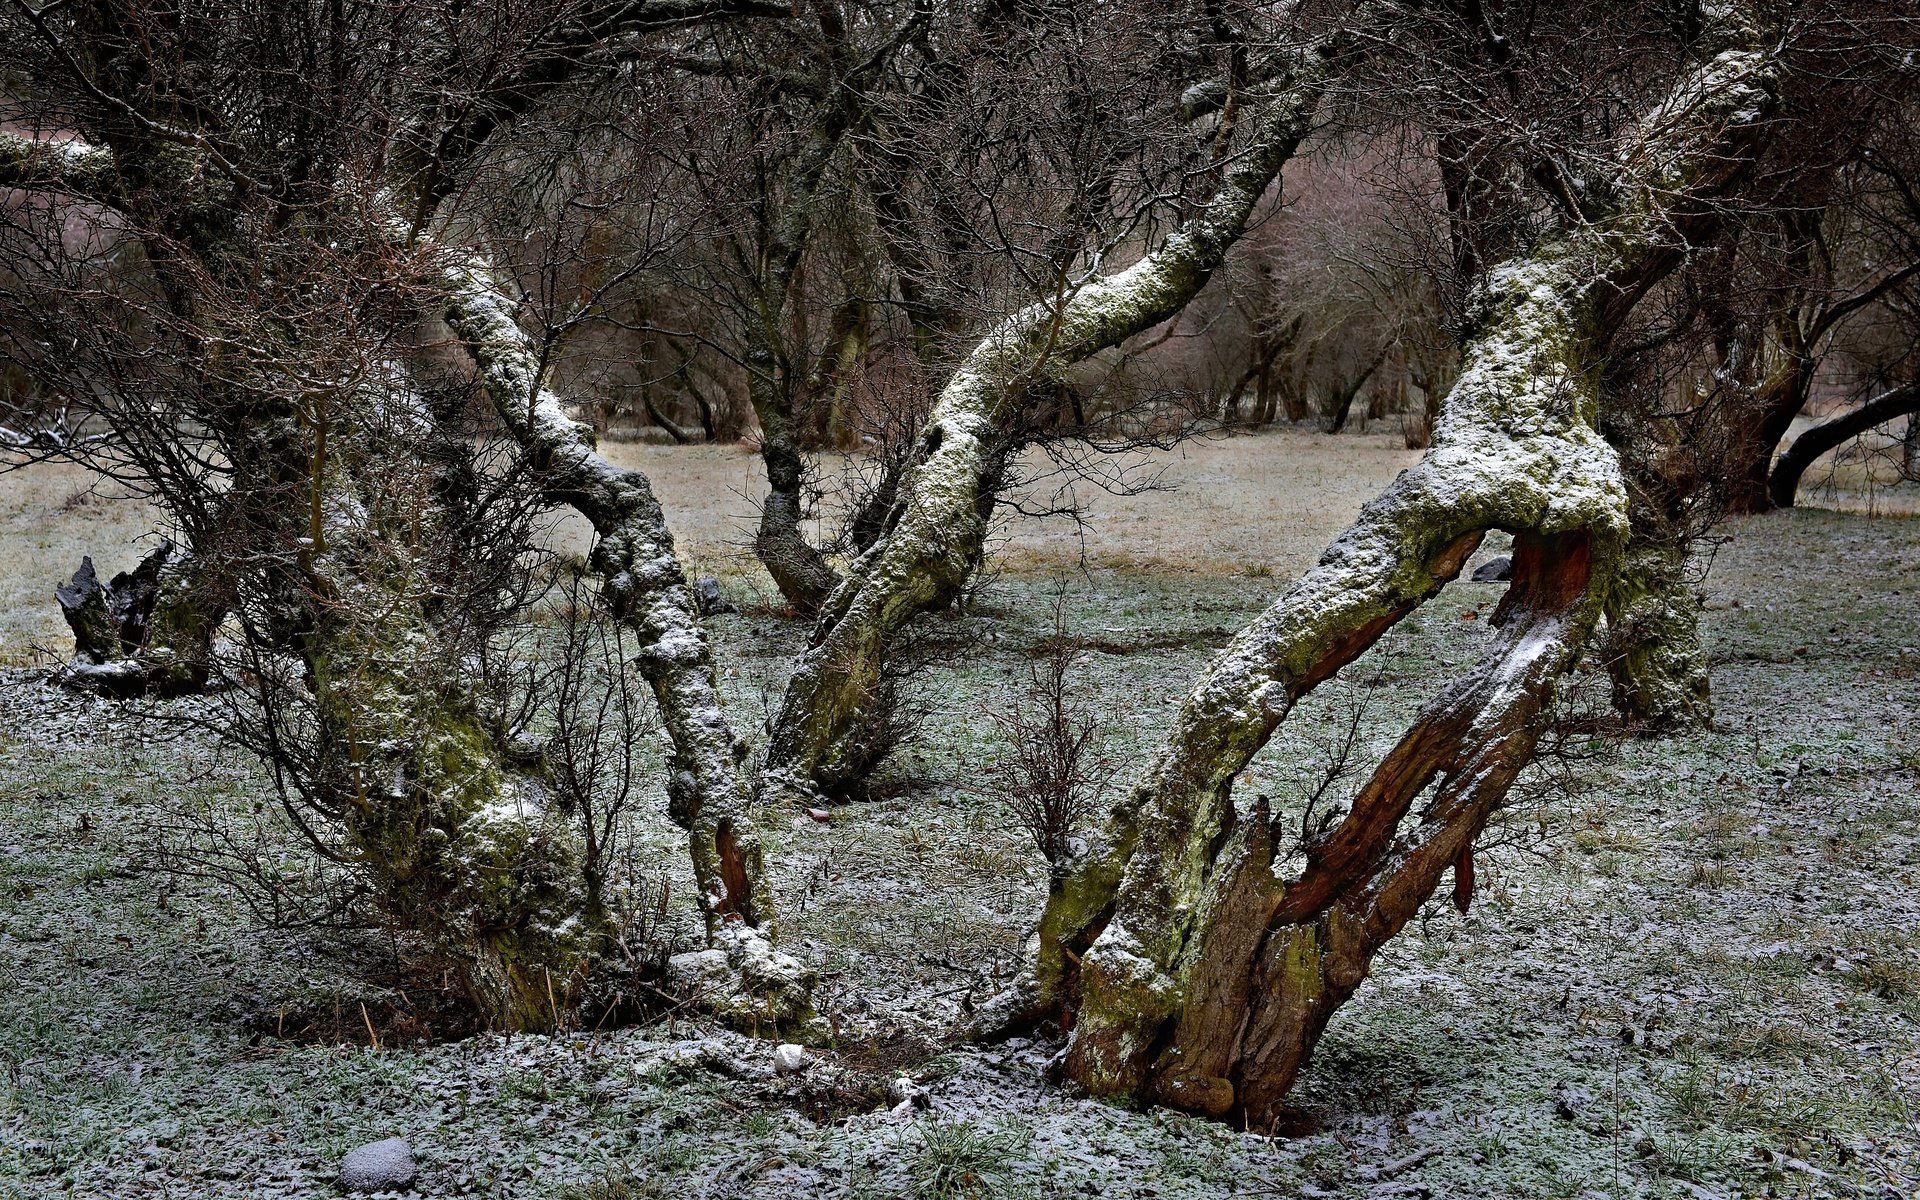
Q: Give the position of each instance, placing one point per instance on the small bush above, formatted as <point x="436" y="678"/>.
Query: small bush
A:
<point x="1053" y="774"/>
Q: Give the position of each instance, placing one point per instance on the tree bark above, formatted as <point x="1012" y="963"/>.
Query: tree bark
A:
<point x="823" y="738"/>
<point x="1654" y="653"/>
<point x="1188" y="972"/>
<point x="462" y="847"/>
<point x="643" y="585"/>
<point x="1784" y="484"/>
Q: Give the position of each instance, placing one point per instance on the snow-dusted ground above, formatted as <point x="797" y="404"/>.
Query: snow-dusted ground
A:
<point x="1694" y="972"/>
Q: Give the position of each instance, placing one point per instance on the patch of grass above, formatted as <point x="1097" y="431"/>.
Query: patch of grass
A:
<point x="964" y="1160"/>
<point x="618" y="1183"/>
<point x="1709" y="875"/>
<point x="1891" y="979"/>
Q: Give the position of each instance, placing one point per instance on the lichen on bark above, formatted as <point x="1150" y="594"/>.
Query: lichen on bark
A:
<point x="642" y="585"/>
<point x="1188" y="973"/>
<point x="934" y="536"/>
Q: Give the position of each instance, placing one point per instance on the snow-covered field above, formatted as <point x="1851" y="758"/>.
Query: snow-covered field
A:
<point x="1692" y="969"/>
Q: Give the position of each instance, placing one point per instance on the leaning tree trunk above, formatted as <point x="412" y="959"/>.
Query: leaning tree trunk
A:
<point x="643" y="586"/>
<point x="827" y="729"/>
<point x="1783" y="485"/>
<point x="1189" y="972"/>
<point x="741" y="976"/>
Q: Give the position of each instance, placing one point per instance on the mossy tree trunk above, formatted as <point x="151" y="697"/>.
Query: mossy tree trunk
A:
<point x="1654" y="653"/>
<point x="386" y="740"/>
<point x="461" y="846"/>
<point x="643" y="586"/>
<point x="1189" y="973"/>
<point x="933" y="538"/>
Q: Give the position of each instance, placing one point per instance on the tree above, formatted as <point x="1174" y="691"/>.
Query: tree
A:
<point x="824" y="737"/>
<point x="1189" y="973"/>
<point x="244" y="356"/>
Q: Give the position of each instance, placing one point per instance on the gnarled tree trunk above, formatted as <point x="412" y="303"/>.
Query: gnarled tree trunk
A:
<point x="1189" y="973"/>
<point x="824" y="736"/>
<point x="742" y="977"/>
<point x="643" y="585"/>
<point x="462" y="846"/>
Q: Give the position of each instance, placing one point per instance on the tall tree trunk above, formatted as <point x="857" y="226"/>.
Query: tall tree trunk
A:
<point x="1188" y="972"/>
<point x="824" y="736"/>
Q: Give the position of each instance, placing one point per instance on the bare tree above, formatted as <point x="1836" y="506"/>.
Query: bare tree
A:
<point x="935" y="533"/>
<point x="1191" y="975"/>
<point x="249" y="357"/>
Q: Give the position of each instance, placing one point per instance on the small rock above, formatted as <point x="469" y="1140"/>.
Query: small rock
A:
<point x="1570" y="1098"/>
<point x="789" y="1059"/>
<point x="707" y="596"/>
<point x="385" y="1166"/>
<point x="1494" y="570"/>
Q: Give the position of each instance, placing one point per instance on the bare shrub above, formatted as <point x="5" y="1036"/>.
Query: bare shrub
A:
<point x="1054" y="773"/>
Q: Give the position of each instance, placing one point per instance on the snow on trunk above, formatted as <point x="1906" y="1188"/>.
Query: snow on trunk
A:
<point x="1190" y="974"/>
<point x="644" y="586"/>
<point x="831" y="717"/>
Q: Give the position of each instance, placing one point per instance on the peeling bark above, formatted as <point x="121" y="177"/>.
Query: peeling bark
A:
<point x="934" y="536"/>
<point x="1188" y="972"/>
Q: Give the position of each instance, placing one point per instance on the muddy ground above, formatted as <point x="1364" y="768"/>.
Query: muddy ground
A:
<point x="1692" y="968"/>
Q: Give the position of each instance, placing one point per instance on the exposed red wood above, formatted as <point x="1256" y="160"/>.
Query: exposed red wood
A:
<point x="733" y="871"/>
<point x="1463" y="879"/>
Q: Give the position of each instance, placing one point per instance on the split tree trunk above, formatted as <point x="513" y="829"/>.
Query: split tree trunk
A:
<point x="1188" y="972"/>
<point x="826" y="733"/>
